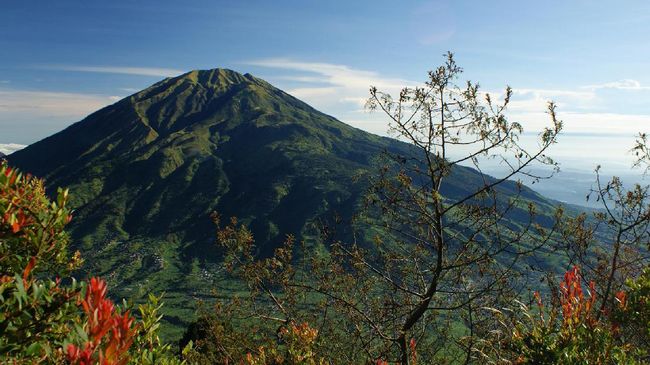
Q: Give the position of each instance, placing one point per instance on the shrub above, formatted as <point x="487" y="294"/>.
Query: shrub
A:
<point x="45" y="321"/>
<point x="570" y="331"/>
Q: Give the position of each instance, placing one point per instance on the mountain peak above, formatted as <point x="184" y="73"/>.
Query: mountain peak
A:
<point x="217" y="77"/>
<point x="218" y="98"/>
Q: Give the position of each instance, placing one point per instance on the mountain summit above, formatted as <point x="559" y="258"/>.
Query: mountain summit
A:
<point x="146" y="172"/>
<point x="198" y="101"/>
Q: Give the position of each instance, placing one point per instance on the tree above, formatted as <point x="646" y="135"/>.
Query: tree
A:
<point x="435" y="261"/>
<point x="612" y="244"/>
<point x="431" y="263"/>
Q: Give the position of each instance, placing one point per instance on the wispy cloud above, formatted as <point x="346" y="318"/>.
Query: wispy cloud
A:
<point x="336" y="89"/>
<point x="8" y="148"/>
<point x="594" y="132"/>
<point x="625" y="84"/>
<point x="130" y="89"/>
<point x="27" y="116"/>
<point x="341" y="90"/>
<point x="586" y="123"/>
<point x="140" y="71"/>
<point x="583" y="110"/>
<point x="339" y="76"/>
<point x="41" y="103"/>
<point x="535" y="100"/>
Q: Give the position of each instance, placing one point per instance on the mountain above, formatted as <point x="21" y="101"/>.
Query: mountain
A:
<point x="2" y="155"/>
<point x="146" y="172"/>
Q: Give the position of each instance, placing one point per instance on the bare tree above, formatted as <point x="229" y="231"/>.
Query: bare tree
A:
<point x="433" y="254"/>
<point x="435" y="260"/>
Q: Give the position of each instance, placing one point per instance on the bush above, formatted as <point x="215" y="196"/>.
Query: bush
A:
<point x="571" y="331"/>
<point x="45" y="321"/>
<point x="633" y="315"/>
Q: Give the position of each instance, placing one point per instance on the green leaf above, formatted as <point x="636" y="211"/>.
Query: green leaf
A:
<point x="34" y="349"/>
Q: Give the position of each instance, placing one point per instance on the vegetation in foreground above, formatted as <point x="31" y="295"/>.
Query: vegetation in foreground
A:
<point x="64" y="322"/>
<point x="45" y="315"/>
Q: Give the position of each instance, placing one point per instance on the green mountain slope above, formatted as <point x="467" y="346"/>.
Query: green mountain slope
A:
<point x="146" y="172"/>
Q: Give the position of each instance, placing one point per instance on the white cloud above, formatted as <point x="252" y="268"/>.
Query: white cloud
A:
<point x="316" y="94"/>
<point x="8" y="148"/>
<point x="342" y="91"/>
<point x="337" y="82"/>
<point x="335" y="89"/>
<point x="625" y="84"/>
<point x="546" y="93"/>
<point x="535" y="100"/>
<point x="577" y="123"/>
<point x="583" y="111"/>
<point x="588" y="138"/>
<point x="314" y="79"/>
<point x="141" y="71"/>
<point x="42" y="103"/>
<point x="27" y="116"/>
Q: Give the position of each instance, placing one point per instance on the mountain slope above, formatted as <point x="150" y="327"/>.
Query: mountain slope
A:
<point x="146" y="172"/>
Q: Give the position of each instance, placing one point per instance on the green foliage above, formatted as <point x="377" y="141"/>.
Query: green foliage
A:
<point x="45" y="321"/>
<point x="37" y="319"/>
<point x="217" y="341"/>
<point x="633" y="313"/>
<point x="146" y="172"/>
<point x="148" y="348"/>
<point x="35" y="315"/>
<point x="32" y="226"/>
<point x="437" y="256"/>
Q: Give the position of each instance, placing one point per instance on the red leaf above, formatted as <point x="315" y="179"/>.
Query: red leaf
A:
<point x="28" y="269"/>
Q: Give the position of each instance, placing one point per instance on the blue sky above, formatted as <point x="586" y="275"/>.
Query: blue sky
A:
<point x="61" y="60"/>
